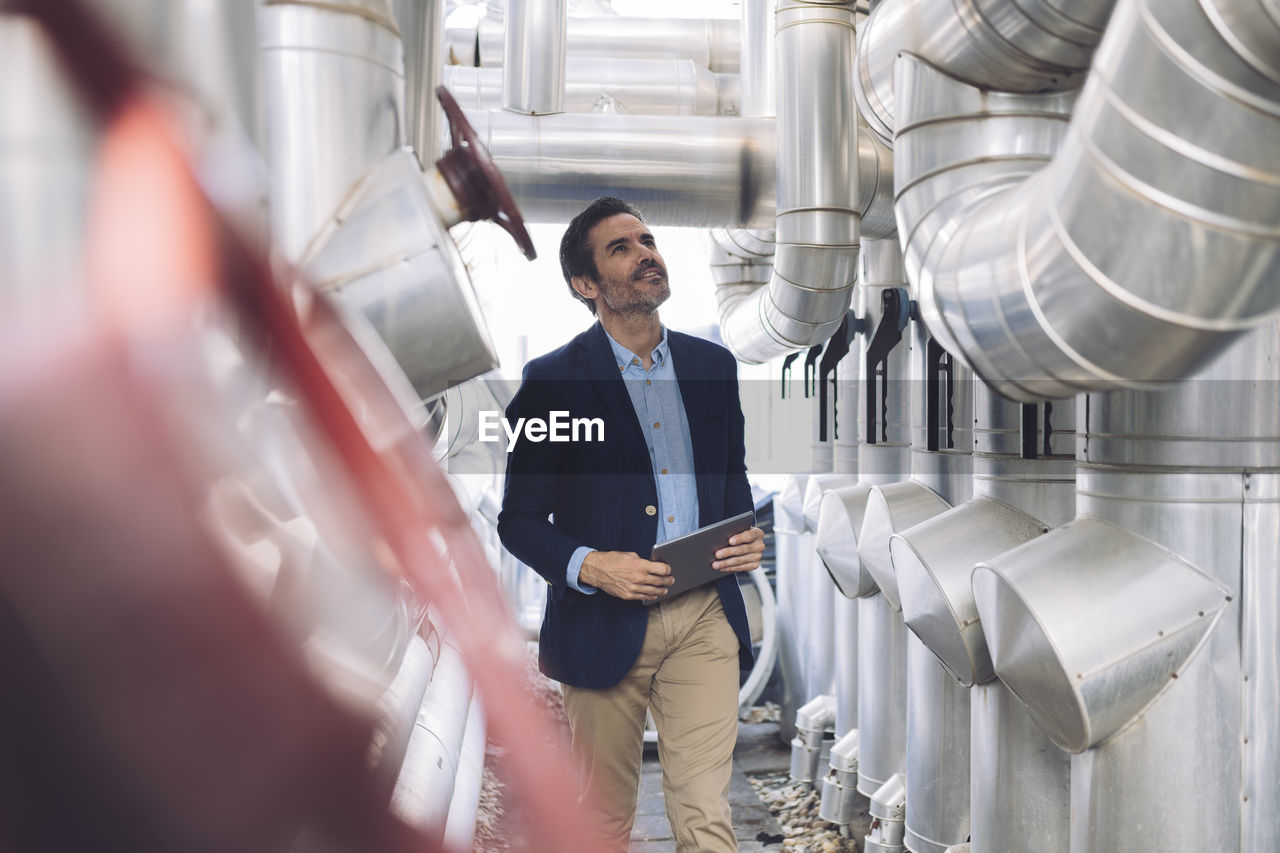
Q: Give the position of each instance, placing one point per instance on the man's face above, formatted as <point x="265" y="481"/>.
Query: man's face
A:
<point x="631" y="277"/>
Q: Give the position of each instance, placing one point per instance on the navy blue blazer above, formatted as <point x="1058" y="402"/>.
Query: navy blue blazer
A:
<point x="601" y="494"/>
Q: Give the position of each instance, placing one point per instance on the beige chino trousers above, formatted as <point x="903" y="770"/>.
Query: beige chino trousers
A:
<point x="687" y="676"/>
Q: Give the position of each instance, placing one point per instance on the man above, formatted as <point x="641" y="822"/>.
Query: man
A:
<point x="586" y="514"/>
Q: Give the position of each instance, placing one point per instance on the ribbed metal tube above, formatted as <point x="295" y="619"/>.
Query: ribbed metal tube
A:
<point x="1147" y="246"/>
<point x="687" y="170"/>
<point x="712" y="43"/>
<point x="533" y="56"/>
<point x="1005" y="45"/>
<point x="817" y="222"/>
<point x="634" y="86"/>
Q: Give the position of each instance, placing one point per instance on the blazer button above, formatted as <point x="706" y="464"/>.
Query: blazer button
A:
<point x="651" y="510"/>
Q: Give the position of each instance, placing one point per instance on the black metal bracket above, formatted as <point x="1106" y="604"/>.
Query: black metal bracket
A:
<point x="939" y="390"/>
<point x="1031" y="425"/>
<point x="811" y="370"/>
<point x="837" y="348"/>
<point x="786" y="371"/>
<point x="895" y="313"/>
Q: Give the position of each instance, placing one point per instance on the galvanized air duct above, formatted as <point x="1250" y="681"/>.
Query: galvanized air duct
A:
<point x="712" y="43"/>
<point x="1019" y="495"/>
<point x="813" y="720"/>
<point x="1005" y="45"/>
<point x="790" y="545"/>
<point x="421" y="25"/>
<point x="592" y="84"/>
<point x="1146" y="627"/>
<point x="352" y="53"/>
<point x="758" y="77"/>
<point x="1034" y="288"/>
<point x="425" y="788"/>
<point x="817" y="214"/>
<point x="533" y="56"/>
<point x="875" y="207"/>
<point x="460" y="823"/>
<point x="840" y="799"/>
<point x="680" y="170"/>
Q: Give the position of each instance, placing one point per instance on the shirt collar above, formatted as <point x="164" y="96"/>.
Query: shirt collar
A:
<point x="624" y="357"/>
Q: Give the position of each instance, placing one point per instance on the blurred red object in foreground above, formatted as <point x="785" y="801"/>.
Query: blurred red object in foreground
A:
<point x="154" y="705"/>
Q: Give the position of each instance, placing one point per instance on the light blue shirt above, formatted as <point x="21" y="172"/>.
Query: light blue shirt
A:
<point x="655" y="396"/>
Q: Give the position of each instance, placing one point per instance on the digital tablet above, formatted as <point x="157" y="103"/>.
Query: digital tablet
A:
<point x="690" y="556"/>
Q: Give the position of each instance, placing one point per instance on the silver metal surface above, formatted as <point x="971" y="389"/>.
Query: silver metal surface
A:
<point x="533" y="56"/>
<point x="1181" y="424"/>
<point x="426" y="784"/>
<point x="318" y="148"/>
<point x="1020" y="785"/>
<point x="882" y="693"/>
<point x="839" y="523"/>
<point x="956" y="147"/>
<point x="631" y="86"/>
<point x="1035" y="46"/>
<point x="814" y="266"/>
<point x="397" y="710"/>
<point x="758" y="63"/>
<point x="789" y="545"/>
<point x="1081" y="687"/>
<point x="1036" y="288"/>
<point x="712" y="43"/>
<point x="387" y="255"/>
<point x="686" y="170"/>
<point x="45" y="172"/>
<point x="840" y="797"/>
<point x="813" y="720"/>
<point x="937" y="754"/>
<point x="875" y="205"/>
<point x="888" y="813"/>
<point x="421" y="24"/>
<point x="933" y="562"/>
<point x="460" y="823"/>
<point x="844" y="641"/>
<point x="1260" y="673"/>
<point x="892" y="508"/>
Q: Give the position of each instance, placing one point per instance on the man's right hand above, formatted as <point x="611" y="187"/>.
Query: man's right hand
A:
<point x="625" y="574"/>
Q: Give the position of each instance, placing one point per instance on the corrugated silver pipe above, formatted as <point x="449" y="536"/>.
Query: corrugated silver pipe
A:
<point x="817" y="221"/>
<point x="681" y="170"/>
<point x="1006" y="45"/>
<point x="533" y="56"/>
<point x="1039" y="289"/>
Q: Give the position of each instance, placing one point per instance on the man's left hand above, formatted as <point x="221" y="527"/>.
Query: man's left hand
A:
<point x="743" y="552"/>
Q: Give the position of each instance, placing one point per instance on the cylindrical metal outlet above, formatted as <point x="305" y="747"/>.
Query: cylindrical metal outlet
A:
<point x="1020" y="782"/>
<point x="533" y="56"/>
<point x="318" y="148"/>
<point x="681" y="170"/>
<point x="937" y="754"/>
<point x="882" y="694"/>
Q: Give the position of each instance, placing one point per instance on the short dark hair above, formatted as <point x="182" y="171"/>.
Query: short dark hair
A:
<point x="575" y="254"/>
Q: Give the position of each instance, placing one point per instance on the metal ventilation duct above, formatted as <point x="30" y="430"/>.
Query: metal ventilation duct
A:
<point x="817" y="214"/>
<point x="1004" y="45"/>
<point x="1035" y="286"/>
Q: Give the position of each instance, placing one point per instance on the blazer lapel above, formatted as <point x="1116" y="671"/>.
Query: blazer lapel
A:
<point x="597" y="361"/>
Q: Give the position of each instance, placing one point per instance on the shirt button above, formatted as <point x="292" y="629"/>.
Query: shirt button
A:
<point x="651" y="510"/>
<point x="648" y="382"/>
<point x="664" y="470"/>
<point x="635" y="361"/>
<point x="656" y="425"/>
<point x="671" y="518"/>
